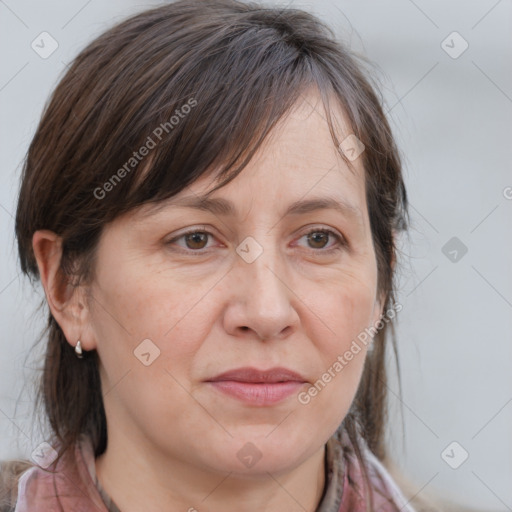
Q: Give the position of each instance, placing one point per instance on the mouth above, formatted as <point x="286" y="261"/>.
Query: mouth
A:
<point x="258" y="387"/>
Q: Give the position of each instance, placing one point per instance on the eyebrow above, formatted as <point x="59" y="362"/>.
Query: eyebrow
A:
<point x="224" y="207"/>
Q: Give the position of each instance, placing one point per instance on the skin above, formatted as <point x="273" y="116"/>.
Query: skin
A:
<point x="173" y="439"/>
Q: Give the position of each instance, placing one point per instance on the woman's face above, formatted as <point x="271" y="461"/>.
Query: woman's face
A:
<point x="251" y="289"/>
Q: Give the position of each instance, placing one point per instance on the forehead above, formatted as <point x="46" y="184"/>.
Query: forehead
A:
<point x="302" y="138"/>
<point x="297" y="164"/>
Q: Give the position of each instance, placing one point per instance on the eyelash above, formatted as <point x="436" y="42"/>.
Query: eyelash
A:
<point x="340" y="241"/>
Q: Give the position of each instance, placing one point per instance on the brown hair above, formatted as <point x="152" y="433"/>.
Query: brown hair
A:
<point x="240" y="68"/>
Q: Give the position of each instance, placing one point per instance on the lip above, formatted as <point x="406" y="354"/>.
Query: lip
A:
<point x="249" y="374"/>
<point x="258" y="387"/>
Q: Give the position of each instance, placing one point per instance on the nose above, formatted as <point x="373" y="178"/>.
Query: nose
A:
<point x="262" y="302"/>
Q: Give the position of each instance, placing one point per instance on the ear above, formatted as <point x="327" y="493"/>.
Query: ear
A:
<point x="67" y="303"/>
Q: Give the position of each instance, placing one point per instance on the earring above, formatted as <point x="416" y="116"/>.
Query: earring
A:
<point x="78" y="350"/>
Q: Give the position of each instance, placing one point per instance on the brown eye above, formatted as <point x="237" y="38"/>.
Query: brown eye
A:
<point x="196" y="240"/>
<point x="318" y="239"/>
<point x="193" y="241"/>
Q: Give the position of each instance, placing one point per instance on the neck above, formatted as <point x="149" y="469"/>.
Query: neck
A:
<point x="138" y="477"/>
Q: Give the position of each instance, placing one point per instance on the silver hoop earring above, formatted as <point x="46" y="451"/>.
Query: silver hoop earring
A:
<point x="78" y="350"/>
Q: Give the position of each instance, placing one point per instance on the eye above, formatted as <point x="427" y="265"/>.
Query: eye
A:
<point x="195" y="240"/>
<point x="318" y="239"/>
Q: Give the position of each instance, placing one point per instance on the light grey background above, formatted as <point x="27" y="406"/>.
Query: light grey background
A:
<point x="452" y="120"/>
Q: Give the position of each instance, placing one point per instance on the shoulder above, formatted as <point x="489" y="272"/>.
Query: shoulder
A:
<point x="393" y="492"/>
<point x="366" y="470"/>
<point x="386" y="487"/>
<point x="10" y="473"/>
<point x="63" y="482"/>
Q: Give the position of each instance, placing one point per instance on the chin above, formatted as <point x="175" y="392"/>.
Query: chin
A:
<point x="250" y="456"/>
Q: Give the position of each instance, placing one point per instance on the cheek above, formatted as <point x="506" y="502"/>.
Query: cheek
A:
<point x="343" y="347"/>
<point x="142" y="379"/>
<point x="343" y="311"/>
<point x="133" y="306"/>
<point x="141" y="304"/>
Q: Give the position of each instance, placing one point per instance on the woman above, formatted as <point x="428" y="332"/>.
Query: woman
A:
<point x="211" y="202"/>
